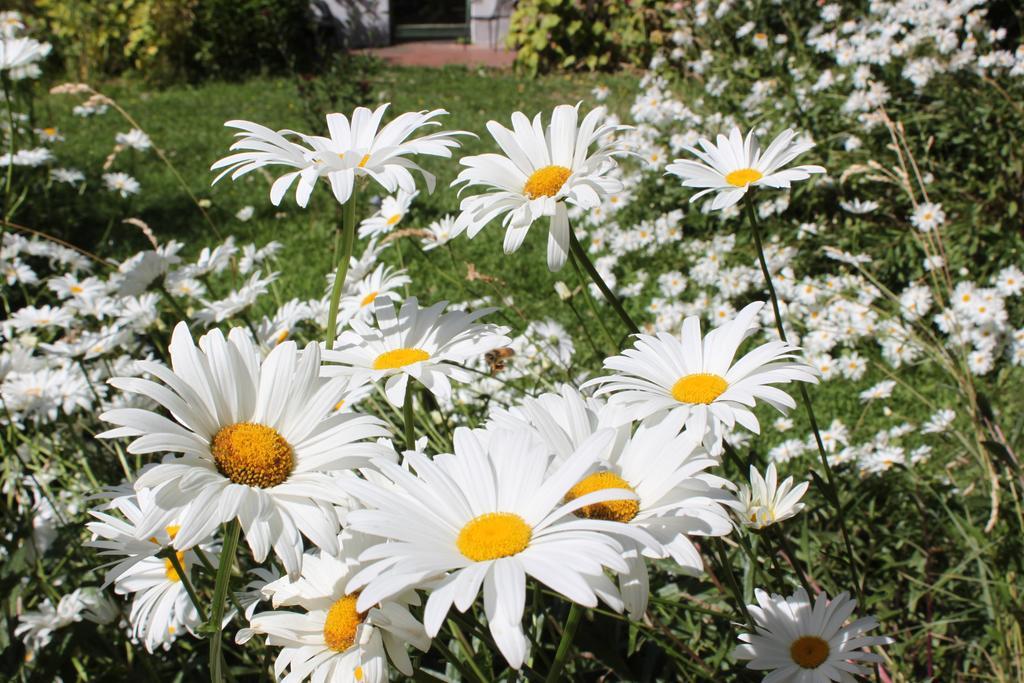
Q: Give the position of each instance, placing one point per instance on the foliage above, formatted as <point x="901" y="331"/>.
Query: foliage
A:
<point x="232" y="39"/>
<point x="584" y="34"/>
<point x="96" y="37"/>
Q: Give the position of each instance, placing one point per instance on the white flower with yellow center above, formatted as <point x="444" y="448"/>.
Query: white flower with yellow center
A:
<point x="392" y="210"/>
<point x="805" y="643"/>
<point x="488" y="515"/>
<point x="355" y="148"/>
<point x="698" y="379"/>
<point x="766" y="502"/>
<point x="541" y="173"/>
<point x="261" y="442"/>
<point x="424" y="344"/>
<point x="384" y="283"/>
<point x="441" y="232"/>
<point x="734" y="165"/>
<point x="331" y="640"/>
<point x="676" y="498"/>
<point x="161" y="608"/>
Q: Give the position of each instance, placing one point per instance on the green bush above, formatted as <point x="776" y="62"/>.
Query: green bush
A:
<point x="168" y="39"/>
<point x="235" y="38"/>
<point x="585" y="34"/>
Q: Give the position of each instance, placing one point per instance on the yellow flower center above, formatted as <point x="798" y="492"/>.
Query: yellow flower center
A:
<point x="342" y="622"/>
<point x="611" y="510"/>
<point x="700" y="387"/>
<point x="399" y="358"/>
<point x="76" y="289"/>
<point x="169" y="570"/>
<point x="743" y="177"/>
<point x="368" y="299"/>
<point x="50" y="131"/>
<point x="252" y="454"/>
<point x="494" y="535"/>
<point x="282" y="335"/>
<point x="394" y="219"/>
<point x="362" y="162"/>
<point x="546" y="182"/>
<point x="358" y="673"/>
<point x="809" y="651"/>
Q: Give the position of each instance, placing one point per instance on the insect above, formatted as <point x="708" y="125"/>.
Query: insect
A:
<point x="496" y="358"/>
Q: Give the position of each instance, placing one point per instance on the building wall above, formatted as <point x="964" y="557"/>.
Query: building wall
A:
<point x="363" y="23"/>
<point x="367" y="23"/>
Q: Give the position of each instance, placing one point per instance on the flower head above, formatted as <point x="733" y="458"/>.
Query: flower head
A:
<point x="425" y="344"/>
<point x="541" y="173"/>
<point x="261" y="442"/>
<point x="766" y="502"/>
<point x="733" y="165"/>
<point x="698" y="378"/>
<point x="799" y="641"/>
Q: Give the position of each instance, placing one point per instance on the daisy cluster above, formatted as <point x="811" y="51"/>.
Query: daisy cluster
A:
<point x="361" y="537"/>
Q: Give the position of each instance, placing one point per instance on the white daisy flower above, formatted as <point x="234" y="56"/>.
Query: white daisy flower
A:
<point x="332" y="640"/>
<point x="354" y="148"/>
<point x="392" y="210"/>
<point x="384" y="283"/>
<point x="17" y="53"/>
<point x="735" y="164"/>
<point x="697" y="377"/>
<point x="135" y="139"/>
<point x="541" y="173"/>
<point x="121" y="183"/>
<point x="425" y="344"/>
<point x="161" y="608"/>
<point x="491" y="514"/>
<point x="801" y="642"/>
<point x="441" y="232"/>
<point x="928" y="216"/>
<point x="260" y="441"/>
<point x="766" y="502"/>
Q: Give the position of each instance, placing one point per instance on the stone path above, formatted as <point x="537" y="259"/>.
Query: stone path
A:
<point x="439" y="53"/>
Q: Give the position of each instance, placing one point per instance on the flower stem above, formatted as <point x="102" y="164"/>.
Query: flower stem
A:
<point x="220" y="593"/>
<point x="348" y="230"/>
<point x="10" y="147"/>
<point x="407" y="416"/>
<point x="172" y="555"/>
<point x="593" y="309"/>
<point x="833" y="492"/>
<point x="609" y="295"/>
<point x="565" y="644"/>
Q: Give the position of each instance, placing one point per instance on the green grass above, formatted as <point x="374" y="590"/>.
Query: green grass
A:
<point x="187" y="123"/>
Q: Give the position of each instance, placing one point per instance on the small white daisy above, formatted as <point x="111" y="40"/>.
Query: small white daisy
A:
<point x="766" y="502"/>
<point x="698" y="378"/>
<point x="805" y="643"/>
<point x="734" y="165"/>
<point x="541" y="174"/>
<point x="425" y="344"/>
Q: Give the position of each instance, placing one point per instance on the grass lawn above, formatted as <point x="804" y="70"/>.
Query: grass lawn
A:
<point x="187" y="122"/>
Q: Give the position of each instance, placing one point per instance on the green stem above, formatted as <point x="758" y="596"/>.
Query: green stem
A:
<point x="348" y="229"/>
<point x="220" y="593"/>
<point x="10" y="148"/>
<point x="212" y="571"/>
<point x="585" y="290"/>
<point x="467" y="649"/>
<point x="788" y="549"/>
<point x="833" y="493"/>
<point x="407" y="416"/>
<point x="730" y="577"/>
<point x="450" y="657"/>
<point x="581" y="255"/>
<point x="565" y="644"/>
<point x="172" y="555"/>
